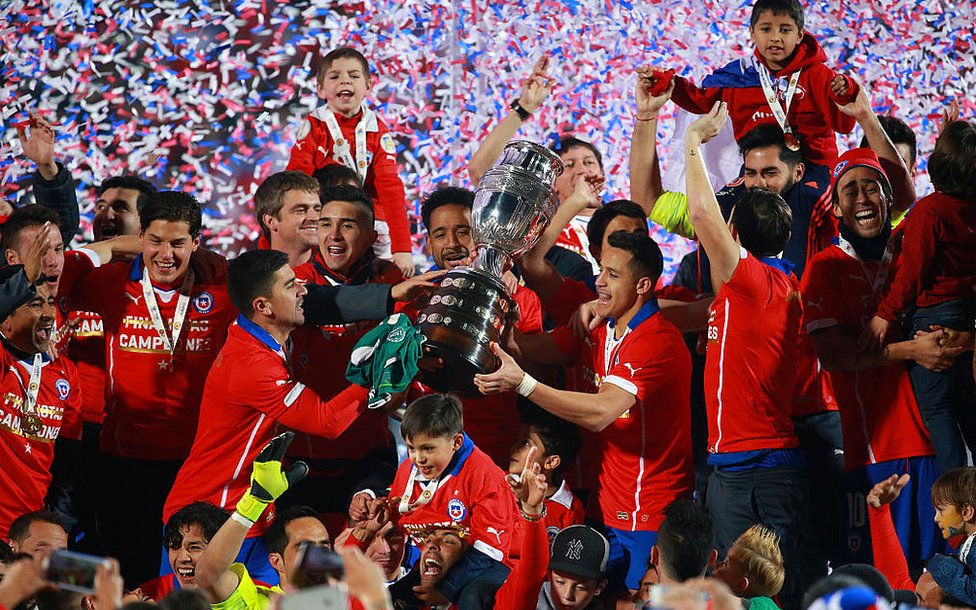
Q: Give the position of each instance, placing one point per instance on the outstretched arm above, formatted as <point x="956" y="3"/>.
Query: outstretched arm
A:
<point x="703" y="209"/>
<point x="535" y="88"/>
<point x="53" y="185"/>
<point x="645" y="167"/>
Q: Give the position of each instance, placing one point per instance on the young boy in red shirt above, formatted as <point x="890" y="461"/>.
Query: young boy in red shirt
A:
<point x="347" y="132"/>
<point x="449" y="484"/>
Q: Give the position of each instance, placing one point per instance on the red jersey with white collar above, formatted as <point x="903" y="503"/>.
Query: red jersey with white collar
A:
<point x="470" y="497"/>
<point x="27" y="456"/>
<point x="249" y="390"/>
<point x="879" y="415"/>
<point x="314" y="149"/>
<point x="750" y="362"/>
<point x="645" y="460"/>
<point x="320" y="356"/>
<point x="573" y="238"/>
<point x="152" y="397"/>
<point x="563" y="509"/>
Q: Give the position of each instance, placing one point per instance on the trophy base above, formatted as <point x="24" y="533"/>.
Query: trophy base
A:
<point x="468" y="311"/>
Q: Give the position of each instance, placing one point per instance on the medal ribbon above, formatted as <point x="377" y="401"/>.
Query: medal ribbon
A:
<point x="28" y="408"/>
<point x="779" y="112"/>
<point x="426" y="496"/>
<point x="157" y="318"/>
<point x="340" y="147"/>
<point x="882" y="276"/>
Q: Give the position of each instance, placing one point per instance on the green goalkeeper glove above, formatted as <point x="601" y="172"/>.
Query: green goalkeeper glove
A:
<point x="268" y="480"/>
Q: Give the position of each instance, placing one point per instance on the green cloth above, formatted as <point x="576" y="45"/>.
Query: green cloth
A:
<point x="385" y="359"/>
<point x="762" y="603"/>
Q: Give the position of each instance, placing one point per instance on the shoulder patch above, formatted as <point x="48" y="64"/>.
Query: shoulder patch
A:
<point x="387" y="143"/>
<point x="303" y="130"/>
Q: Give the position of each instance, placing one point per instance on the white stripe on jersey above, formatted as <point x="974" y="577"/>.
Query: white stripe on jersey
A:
<point x="721" y="374"/>
<point x="293" y="394"/>
<point x="240" y="463"/>
<point x="489" y="550"/>
<point x="640" y="471"/>
<point x="864" y="419"/>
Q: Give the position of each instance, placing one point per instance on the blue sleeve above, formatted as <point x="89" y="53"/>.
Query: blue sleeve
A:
<point x="473" y="566"/>
<point x="59" y="195"/>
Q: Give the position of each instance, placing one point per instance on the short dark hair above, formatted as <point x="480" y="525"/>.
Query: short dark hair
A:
<point x="21" y="525"/>
<point x="956" y="487"/>
<point x="172" y="206"/>
<point x="685" y="539"/>
<point x="445" y="195"/>
<point x="793" y="8"/>
<point x="952" y="166"/>
<point x="765" y="136"/>
<point x="204" y="514"/>
<point x="567" y="142"/>
<point x="269" y="194"/>
<point x="433" y="415"/>
<point x="559" y="436"/>
<point x="251" y="275"/>
<point x="335" y="174"/>
<point x="898" y="132"/>
<point x="276" y="538"/>
<point x="646" y="258"/>
<point x="341" y="53"/>
<point x="763" y="221"/>
<point x="185" y="599"/>
<point x="351" y="194"/>
<point x="25" y="217"/>
<point x="135" y="183"/>
<point x="602" y="216"/>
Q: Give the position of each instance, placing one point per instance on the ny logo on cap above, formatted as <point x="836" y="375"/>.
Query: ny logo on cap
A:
<point x="574" y="549"/>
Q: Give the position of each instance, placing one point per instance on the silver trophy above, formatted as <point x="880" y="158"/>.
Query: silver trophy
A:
<point x="471" y="308"/>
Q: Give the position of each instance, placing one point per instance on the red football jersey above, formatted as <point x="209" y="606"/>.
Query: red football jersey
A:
<point x="314" y="149"/>
<point x="27" y="457"/>
<point x="750" y="362"/>
<point x="320" y="356"/>
<point x="152" y="397"/>
<point x="645" y="460"/>
<point x="85" y="344"/>
<point x="573" y="238"/>
<point x="879" y="415"/>
<point x="563" y="509"/>
<point x="472" y="498"/>
<point x="248" y="391"/>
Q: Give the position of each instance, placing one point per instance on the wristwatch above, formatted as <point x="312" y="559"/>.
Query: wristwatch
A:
<point x="522" y="112"/>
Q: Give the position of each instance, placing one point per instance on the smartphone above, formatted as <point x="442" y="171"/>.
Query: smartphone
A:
<point x="73" y="571"/>
<point x="317" y="598"/>
<point x="317" y="565"/>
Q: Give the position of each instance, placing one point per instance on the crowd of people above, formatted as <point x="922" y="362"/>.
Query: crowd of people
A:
<point x="787" y="424"/>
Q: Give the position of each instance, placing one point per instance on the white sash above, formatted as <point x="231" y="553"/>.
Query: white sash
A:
<point x="340" y="146"/>
<point x="779" y="112"/>
<point x="149" y="294"/>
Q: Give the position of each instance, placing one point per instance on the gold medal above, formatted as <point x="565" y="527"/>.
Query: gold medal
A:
<point x="340" y="142"/>
<point x="30" y="423"/>
<point x="791" y="141"/>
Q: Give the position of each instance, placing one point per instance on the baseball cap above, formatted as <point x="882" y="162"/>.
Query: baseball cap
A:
<point x="856" y="157"/>
<point x="581" y="551"/>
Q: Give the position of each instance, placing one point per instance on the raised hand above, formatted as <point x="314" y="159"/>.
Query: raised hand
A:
<point x="508" y="376"/>
<point x="948" y="115"/>
<point x="649" y="104"/>
<point x="708" y="125"/>
<point x="410" y="289"/>
<point x="887" y="491"/>
<point x="859" y="107"/>
<point x="536" y="86"/>
<point x="531" y="485"/>
<point x="39" y="147"/>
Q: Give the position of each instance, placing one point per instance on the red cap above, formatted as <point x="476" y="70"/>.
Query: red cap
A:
<point x="856" y="157"/>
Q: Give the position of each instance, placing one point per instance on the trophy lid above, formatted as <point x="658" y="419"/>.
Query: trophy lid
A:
<point x="533" y="158"/>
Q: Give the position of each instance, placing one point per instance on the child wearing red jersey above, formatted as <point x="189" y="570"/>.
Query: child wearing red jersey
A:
<point x="641" y="412"/>
<point x="785" y="82"/>
<point x="346" y="131"/>
<point x="933" y="286"/>
<point x="750" y="361"/>
<point x="557" y="443"/>
<point x="449" y="484"/>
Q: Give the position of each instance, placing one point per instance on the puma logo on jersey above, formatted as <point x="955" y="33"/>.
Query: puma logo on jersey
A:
<point x="632" y="370"/>
<point x="134" y="298"/>
<point x="818" y="304"/>
<point x="497" y="533"/>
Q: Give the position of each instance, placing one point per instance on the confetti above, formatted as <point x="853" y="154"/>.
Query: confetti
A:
<point x="207" y="97"/>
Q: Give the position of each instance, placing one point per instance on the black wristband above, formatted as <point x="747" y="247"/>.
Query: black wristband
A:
<point x="522" y="112"/>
